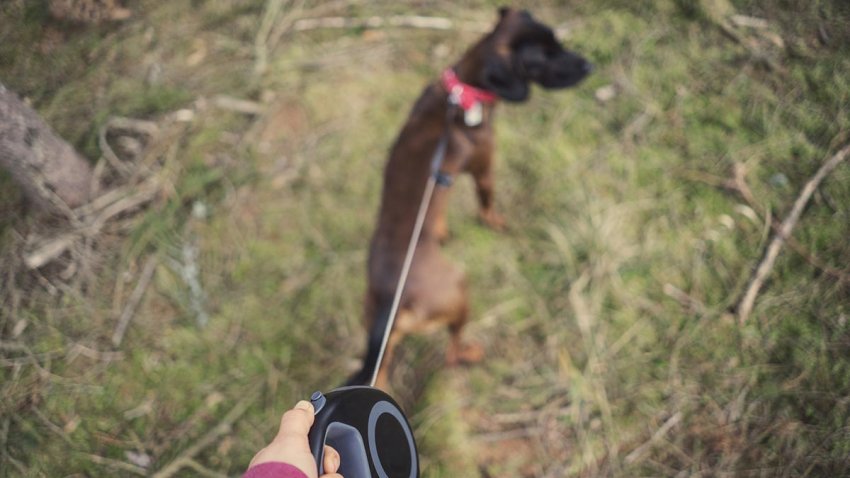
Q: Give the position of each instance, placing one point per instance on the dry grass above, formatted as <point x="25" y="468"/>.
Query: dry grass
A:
<point x="605" y="310"/>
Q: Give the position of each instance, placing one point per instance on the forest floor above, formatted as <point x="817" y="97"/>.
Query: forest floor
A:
<point x="168" y="341"/>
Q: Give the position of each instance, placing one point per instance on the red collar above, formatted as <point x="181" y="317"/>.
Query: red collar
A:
<point x="462" y="94"/>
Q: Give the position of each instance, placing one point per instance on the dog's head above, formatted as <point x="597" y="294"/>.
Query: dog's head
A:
<point x="520" y="51"/>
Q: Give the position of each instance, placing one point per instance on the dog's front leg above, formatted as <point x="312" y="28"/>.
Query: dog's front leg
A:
<point x="484" y="186"/>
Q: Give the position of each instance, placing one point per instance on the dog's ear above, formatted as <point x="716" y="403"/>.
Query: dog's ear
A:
<point x="505" y="11"/>
<point x="500" y="77"/>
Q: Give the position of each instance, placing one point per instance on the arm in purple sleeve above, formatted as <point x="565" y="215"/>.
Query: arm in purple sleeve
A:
<point x="274" y="469"/>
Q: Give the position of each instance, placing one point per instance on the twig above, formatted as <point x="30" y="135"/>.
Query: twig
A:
<point x="78" y="350"/>
<point x="48" y="250"/>
<point x="731" y="32"/>
<point x="52" y="248"/>
<point x="17" y="464"/>
<point x="738" y="184"/>
<point x="749" y="22"/>
<point x="136" y="297"/>
<point x="405" y="21"/>
<point x="507" y="435"/>
<point x="237" y="105"/>
<point x="745" y="307"/>
<point x="693" y="305"/>
<point x="4" y="434"/>
<point x="144" y="193"/>
<point x="272" y="10"/>
<point x="638" y="452"/>
<point x="124" y="466"/>
<point x="109" y="153"/>
<point x="147" y="128"/>
<point x="223" y="427"/>
<point x="51" y="426"/>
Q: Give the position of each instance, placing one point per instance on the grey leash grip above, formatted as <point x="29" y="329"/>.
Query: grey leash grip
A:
<point x="368" y="429"/>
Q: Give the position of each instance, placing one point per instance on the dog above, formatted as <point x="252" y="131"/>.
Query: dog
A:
<point x="458" y="108"/>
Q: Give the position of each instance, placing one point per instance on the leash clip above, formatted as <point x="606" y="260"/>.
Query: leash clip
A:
<point x="444" y="179"/>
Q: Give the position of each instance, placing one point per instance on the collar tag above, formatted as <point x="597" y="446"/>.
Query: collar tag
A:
<point x="474" y="114"/>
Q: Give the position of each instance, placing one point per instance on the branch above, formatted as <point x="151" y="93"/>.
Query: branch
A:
<point x="136" y="297"/>
<point x="108" y="206"/>
<point x="738" y="184"/>
<point x="745" y="307"/>
<point x="406" y="21"/>
<point x="225" y="426"/>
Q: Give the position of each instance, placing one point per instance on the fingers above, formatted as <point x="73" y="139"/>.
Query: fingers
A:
<point x="290" y="445"/>
<point x="330" y="463"/>
<point x="297" y="421"/>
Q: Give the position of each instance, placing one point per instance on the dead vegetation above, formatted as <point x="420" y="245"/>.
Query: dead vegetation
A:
<point x="218" y="276"/>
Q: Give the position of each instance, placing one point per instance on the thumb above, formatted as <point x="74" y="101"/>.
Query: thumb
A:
<point x="296" y="422"/>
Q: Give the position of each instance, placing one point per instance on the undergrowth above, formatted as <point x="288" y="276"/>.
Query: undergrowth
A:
<point x="607" y="309"/>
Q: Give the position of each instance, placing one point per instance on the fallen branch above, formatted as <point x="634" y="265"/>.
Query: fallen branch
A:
<point x="738" y="184"/>
<point x="224" y="427"/>
<point x="108" y="206"/>
<point x="404" y="21"/>
<point x="764" y="268"/>
<point x="136" y="297"/>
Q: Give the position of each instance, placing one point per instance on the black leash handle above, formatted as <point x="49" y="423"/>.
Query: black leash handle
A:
<point x="368" y="429"/>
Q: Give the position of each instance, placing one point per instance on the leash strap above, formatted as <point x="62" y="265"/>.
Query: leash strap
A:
<point x="434" y="178"/>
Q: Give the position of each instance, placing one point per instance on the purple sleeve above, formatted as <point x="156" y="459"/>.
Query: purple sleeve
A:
<point x="274" y="469"/>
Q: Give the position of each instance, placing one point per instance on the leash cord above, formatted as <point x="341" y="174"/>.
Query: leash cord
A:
<point x="436" y="161"/>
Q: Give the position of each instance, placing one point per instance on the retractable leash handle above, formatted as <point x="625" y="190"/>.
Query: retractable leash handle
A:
<point x="368" y="429"/>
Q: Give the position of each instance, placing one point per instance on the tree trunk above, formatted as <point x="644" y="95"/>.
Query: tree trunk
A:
<point x="48" y="169"/>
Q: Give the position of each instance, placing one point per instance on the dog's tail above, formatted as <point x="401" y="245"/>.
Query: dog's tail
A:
<point x="376" y="338"/>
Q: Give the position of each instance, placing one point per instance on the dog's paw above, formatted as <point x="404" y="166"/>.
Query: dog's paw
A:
<point x="441" y="230"/>
<point x="493" y="220"/>
<point x="464" y="354"/>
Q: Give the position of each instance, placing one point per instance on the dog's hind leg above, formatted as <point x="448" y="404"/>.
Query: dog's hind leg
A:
<point x="460" y="351"/>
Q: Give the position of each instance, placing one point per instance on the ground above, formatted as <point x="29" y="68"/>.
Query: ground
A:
<point x="638" y="206"/>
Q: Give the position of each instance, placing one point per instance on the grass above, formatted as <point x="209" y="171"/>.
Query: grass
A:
<point x="604" y="309"/>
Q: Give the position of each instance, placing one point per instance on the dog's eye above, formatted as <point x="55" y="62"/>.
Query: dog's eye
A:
<point x="551" y="51"/>
<point x="532" y="55"/>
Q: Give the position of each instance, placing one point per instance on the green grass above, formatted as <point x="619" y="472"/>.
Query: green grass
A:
<point x="604" y="309"/>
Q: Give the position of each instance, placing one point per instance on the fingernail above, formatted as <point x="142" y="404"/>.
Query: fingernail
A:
<point x="304" y="405"/>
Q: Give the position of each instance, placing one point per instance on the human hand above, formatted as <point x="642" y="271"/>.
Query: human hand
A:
<point x="291" y="446"/>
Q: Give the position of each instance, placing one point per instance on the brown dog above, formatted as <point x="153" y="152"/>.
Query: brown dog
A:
<point x="517" y="52"/>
